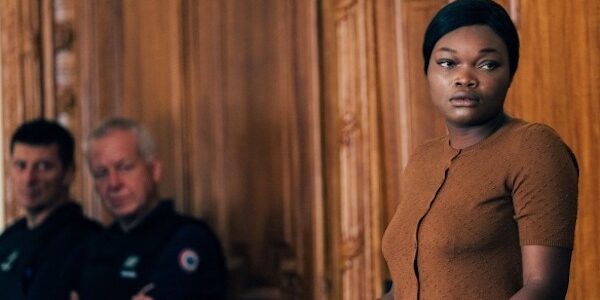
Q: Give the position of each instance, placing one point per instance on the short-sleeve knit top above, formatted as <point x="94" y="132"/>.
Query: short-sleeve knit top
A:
<point x="464" y="214"/>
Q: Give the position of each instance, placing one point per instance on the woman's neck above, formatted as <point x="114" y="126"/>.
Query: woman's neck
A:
<point x="463" y="137"/>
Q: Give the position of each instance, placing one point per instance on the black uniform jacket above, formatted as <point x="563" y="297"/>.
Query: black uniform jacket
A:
<point x="174" y="256"/>
<point x="38" y="263"/>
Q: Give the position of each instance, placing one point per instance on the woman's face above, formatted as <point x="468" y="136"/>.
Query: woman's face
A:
<point x="469" y="75"/>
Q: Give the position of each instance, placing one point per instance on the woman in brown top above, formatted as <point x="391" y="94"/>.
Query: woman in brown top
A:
<point x="487" y="212"/>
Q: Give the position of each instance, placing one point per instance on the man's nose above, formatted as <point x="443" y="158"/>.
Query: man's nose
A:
<point x="30" y="175"/>
<point x="114" y="180"/>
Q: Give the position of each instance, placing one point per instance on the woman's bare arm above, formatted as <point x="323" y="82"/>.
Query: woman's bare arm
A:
<point x="545" y="272"/>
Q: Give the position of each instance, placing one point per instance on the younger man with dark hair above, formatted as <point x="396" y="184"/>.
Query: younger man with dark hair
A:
<point x="37" y="250"/>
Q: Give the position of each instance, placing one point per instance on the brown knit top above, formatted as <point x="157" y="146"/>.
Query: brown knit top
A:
<point x="464" y="214"/>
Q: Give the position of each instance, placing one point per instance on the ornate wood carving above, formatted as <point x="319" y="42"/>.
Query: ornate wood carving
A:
<point x="21" y="75"/>
<point x="352" y="150"/>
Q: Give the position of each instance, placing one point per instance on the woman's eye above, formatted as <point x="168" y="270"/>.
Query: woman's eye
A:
<point x="445" y="63"/>
<point x="489" y="65"/>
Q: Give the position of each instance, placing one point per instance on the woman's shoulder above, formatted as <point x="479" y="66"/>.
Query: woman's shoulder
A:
<point x="532" y="133"/>
<point x="537" y="140"/>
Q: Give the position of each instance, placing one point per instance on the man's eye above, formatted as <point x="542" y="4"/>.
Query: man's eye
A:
<point x="125" y="167"/>
<point x="44" y="166"/>
<point x="19" y="165"/>
<point x="98" y="174"/>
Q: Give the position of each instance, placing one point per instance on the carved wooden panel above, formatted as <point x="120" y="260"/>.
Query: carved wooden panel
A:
<point x="22" y="78"/>
<point x="407" y="116"/>
<point x="352" y="149"/>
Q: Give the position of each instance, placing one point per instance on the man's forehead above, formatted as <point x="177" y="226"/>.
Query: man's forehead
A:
<point x="24" y="150"/>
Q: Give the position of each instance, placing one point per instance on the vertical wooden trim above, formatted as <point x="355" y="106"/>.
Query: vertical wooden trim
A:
<point x="22" y="90"/>
<point x="375" y="153"/>
<point x="87" y="86"/>
<point x="353" y="149"/>
<point x="48" y="59"/>
<point x="182" y="184"/>
<point x="218" y="137"/>
<point x="3" y="177"/>
<point x="405" y="143"/>
<point x="513" y="10"/>
<point x="99" y="84"/>
<point x="304" y="271"/>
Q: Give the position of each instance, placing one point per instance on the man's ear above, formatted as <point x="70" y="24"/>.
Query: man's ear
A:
<point x="69" y="176"/>
<point x="156" y="165"/>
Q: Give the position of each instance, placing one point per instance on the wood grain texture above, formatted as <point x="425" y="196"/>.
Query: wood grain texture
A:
<point x="559" y="84"/>
<point x="98" y="31"/>
<point x="152" y="82"/>
<point x="407" y="115"/>
<point x="20" y="32"/>
<point x="352" y="151"/>
<point x="253" y="117"/>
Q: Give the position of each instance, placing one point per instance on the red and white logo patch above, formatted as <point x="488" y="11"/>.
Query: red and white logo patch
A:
<point x="189" y="260"/>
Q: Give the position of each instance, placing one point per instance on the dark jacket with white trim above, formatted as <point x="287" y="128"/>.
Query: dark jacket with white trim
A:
<point x="174" y="256"/>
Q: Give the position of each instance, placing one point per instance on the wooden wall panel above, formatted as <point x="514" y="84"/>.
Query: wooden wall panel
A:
<point x="22" y="78"/>
<point x="559" y="84"/>
<point x="253" y="117"/>
<point x="152" y="82"/>
<point x="407" y="115"/>
<point x="99" y="33"/>
<point x="352" y="164"/>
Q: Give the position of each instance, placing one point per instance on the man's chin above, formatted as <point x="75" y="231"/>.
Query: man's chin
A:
<point x="124" y="214"/>
<point x="34" y="207"/>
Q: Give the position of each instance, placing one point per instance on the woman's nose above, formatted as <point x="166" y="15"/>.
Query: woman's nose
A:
<point x="466" y="79"/>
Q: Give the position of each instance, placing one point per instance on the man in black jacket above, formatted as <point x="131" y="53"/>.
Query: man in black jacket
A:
<point x="37" y="251"/>
<point x="150" y="251"/>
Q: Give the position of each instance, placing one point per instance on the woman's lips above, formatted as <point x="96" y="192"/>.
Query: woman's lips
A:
<point x="464" y="100"/>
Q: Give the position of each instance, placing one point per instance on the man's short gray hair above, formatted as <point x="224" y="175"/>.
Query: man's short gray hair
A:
<point x="143" y="139"/>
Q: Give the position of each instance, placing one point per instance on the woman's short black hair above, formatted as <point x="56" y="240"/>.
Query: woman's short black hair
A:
<point x="473" y="12"/>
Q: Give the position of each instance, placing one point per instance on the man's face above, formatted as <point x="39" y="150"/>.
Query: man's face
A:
<point x="38" y="177"/>
<point x="126" y="182"/>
